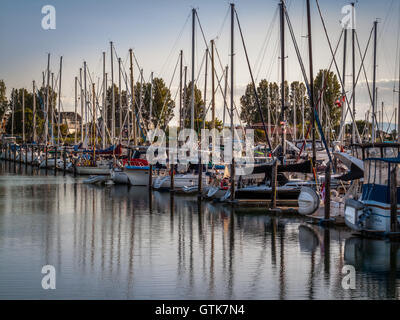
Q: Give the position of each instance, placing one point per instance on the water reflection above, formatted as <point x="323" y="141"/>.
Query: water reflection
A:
<point x="122" y="242"/>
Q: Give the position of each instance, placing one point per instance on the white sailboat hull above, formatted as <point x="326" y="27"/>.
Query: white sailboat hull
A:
<point x="82" y="170"/>
<point x="137" y="176"/>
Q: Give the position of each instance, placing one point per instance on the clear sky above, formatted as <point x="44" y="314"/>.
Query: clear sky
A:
<point x="158" y="29"/>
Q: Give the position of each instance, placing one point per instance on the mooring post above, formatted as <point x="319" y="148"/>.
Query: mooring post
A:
<point x="55" y="160"/>
<point x="274" y="183"/>
<point x="327" y="201"/>
<point x="393" y="199"/>
<point x="15" y="157"/>
<point x="150" y="176"/>
<point x="46" y="156"/>
<point x="74" y="164"/>
<point x="65" y="160"/>
<point x="172" y="178"/>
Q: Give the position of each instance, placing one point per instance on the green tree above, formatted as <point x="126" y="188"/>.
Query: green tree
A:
<point x="199" y="108"/>
<point x="162" y="107"/>
<point x="331" y="94"/>
<point x="3" y="98"/>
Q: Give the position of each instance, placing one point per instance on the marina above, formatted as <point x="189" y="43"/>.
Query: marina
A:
<point x="211" y="177"/>
<point x="117" y="242"/>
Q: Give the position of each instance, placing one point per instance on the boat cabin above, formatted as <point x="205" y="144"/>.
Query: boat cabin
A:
<point x="373" y="211"/>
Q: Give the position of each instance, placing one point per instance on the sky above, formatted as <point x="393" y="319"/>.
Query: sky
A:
<point x="157" y="30"/>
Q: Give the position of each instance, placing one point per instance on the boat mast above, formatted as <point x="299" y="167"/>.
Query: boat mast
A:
<point x="112" y="97"/>
<point x="398" y="110"/>
<point x="294" y="116"/>
<point x="23" y="116"/>
<point x="94" y="124"/>
<point x="59" y="102"/>
<point x="225" y="97"/>
<point x="342" y="119"/>
<point x="85" y="94"/>
<point x="52" y="108"/>
<point x="232" y="102"/>
<point x="374" y="83"/>
<point x="34" y="110"/>
<point x="151" y="101"/>
<point x="212" y="89"/>
<point x="193" y="62"/>
<point x="180" y="88"/>
<point x="103" y="128"/>
<point x="269" y="116"/>
<point x="312" y="102"/>
<point x="353" y="134"/>
<point x="76" y="108"/>
<point x="46" y="129"/>
<point x="200" y="181"/>
<point x="13" y="110"/>
<point x="185" y="96"/>
<point x="282" y="17"/>
<point x="302" y="113"/>
<point x="82" y="101"/>
<point x="132" y="98"/>
<point x="120" y="99"/>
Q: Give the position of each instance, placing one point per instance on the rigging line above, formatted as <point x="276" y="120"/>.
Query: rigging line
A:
<point x="362" y="67"/>
<point x="186" y="111"/>
<point x="254" y="86"/>
<point x="223" y="25"/>
<point x="169" y="89"/>
<point x="336" y="66"/>
<point x="313" y="106"/>
<point x="365" y="73"/>
<point x="272" y="61"/>
<point x="265" y="45"/>
<point x="362" y="63"/>
<point x="228" y="88"/>
<point x="169" y="57"/>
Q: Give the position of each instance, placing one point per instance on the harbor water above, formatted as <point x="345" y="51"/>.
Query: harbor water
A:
<point x="120" y="242"/>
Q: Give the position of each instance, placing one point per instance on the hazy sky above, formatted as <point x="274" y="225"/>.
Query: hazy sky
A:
<point x="158" y="29"/>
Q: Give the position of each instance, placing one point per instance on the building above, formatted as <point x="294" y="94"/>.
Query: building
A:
<point x="68" y="118"/>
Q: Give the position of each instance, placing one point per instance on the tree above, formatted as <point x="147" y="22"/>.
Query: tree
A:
<point x="163" y="105"/>
<point x="331" y="94"/>
<point x="199" y="108"/>
<point x="3" y="98"/>
<point x="120" y="113"/>
<point x="269" y="95"/>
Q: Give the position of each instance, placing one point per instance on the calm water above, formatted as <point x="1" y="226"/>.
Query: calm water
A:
<point x="116" y="242"/>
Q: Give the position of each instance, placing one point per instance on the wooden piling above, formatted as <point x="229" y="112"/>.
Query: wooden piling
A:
<point x="150" y="176"/>
<point x="46" y="156"/>
<point x="393" y="199"/>
<point x="172" y="178"/>
<point x="274" y="183"/>
<point x="65" y="161"/>
<point x="15" y="156"/>
<point x="327" y="201"/>
<point x="55" y="160"/>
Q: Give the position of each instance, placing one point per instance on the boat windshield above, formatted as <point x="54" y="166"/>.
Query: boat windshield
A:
<point x="376" y="172"/>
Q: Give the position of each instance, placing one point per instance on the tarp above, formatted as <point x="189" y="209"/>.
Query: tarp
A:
<point x="304" y="167"/>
